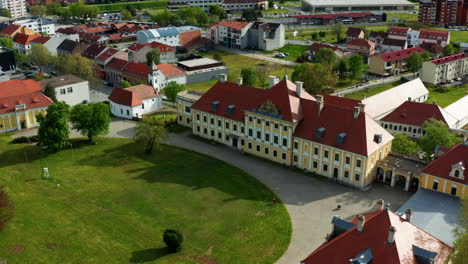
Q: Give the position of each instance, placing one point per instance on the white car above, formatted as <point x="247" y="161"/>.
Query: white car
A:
<point x="308" y="42"/>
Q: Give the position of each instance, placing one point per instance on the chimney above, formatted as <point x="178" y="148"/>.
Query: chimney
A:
<point x="223" y="78"/>
<point x="357" y="109"/>
<point x="387" y="206"/>
<point x="361" y="221"/>
<point x="273" y="80"/>
<point x="380" y="204"/>
<point x="391" y="235"/>
<point x="299" y="88"/>
<point x="239" y="81"/>
<point x="434" y="102"/>
<point x="362" y="107"/>
<point x="319" y="100"/>
<point x="408" y="214"/>
<point x="409" y="99"/>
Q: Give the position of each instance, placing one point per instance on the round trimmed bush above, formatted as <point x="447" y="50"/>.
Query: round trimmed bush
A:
<point x="173" y="240"/>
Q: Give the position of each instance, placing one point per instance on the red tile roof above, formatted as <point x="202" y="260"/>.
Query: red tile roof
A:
<point x="449" y="58"/>
<point x="245" y="98"/>
<point x="354" y="31"/>
<point x="94" y="29"/>
<point x="170" y="70"/>
<point x="433" y="34"/>
<point x="31" y="100"/>
<point x="24" y="39"/>
<point x="337" y="116"/>
<point x="400" y="54"/>
<point x="317" y="46"/>
<point x="442" y="166"/>
<point x="137" y="69"/>
<point x="19" y="87"/>
<point x="136" y="47"/>
<point x="431" y="47"/>
<point x="10" y="29"/>
<point x="107" y="54"/>
<point x="399" y="31"/>
<point x="336" y="15"/>
<point x="233" y="24"/>
<point x="116" y="64"/>
<point x="360" y="42"/>
<point x="41" y="39"/>
<point x="92" y="51"/>
<point x="161" y="47"/>
<point x="374" y="236"/>
<point x="413" y="113"/>
<point x="132" y="96"/>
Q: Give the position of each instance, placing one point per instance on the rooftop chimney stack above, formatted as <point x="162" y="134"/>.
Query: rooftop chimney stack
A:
<point x="273" y="80"/>
<point x="361" y="221"/>
<point x="223" y="78"/>
<point x="391" y="235"/>
<point x="239" y="81"/>
<point x="357" y="110"/>
<point x="408" y="214"/>
<point x="380" y="204"/>
<point x="362" y="107"/>
<point x="409" y="99"/>
<point x="299" y="88"/>
<point x="319" y="100"/>
<point x="387" y="206"/>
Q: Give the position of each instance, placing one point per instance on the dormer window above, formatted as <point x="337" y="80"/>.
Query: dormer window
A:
<point x="458" y="171"/>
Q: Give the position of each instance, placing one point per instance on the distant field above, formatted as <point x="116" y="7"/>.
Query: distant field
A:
<point x="138" y="5"/>
<point x="405" y="16"/>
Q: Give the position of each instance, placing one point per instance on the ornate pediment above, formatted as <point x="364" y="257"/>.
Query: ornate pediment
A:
<point x="269" y="107"/>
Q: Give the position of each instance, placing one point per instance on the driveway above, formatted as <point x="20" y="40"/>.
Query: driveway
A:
<point x="311" y="202"/>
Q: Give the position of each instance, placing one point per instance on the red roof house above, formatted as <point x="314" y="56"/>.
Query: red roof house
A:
<point x="362" y="46"/>
<point x="93" y="51"/>
<point x="24" y="39"/>
<point x="398" y="31"/>
<point x="132" y="96"/>
<point x="21" y="92"/>
<point x="449" y="58"/>
<point x="381" y="237"/>
<point x="170" y="71"/>
<point x="136" y="72"/>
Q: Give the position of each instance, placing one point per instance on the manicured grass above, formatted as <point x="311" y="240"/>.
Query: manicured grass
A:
<point x="114" y="203"/>
<point x="458" y="36"/>
<point x="236" y="62"/>
<point x="373" y="91"/>
<point x="115" y="7"/>
<point x="445" y="97"/>
<point x="166" y="116"/>
<point x="404" y="16"/>
<point x="201" y="86"/>
<point x="294" y="51"/>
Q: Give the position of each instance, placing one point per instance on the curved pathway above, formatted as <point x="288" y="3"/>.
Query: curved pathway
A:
<point x="311" y="202"/>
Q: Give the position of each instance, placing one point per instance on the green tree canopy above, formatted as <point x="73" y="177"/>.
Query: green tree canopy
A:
<point x="54" y="131"/>
<point x="449" y="50"/>
<point x="338" y="30"/>
<point x="53" y="9"/>
<point x="218" y="11"/>
<point x="6" y="42"/>
<point x="79" y="66"/>
<point x="342" y="69"/>
<point x="37" y="10"/>
<point x="153" y="56"/>
<point x="248" y="76"/>
<point x="81" y="10"/>
<point x="172" y="89"/>
<point x="402" y="144"/>
<point x="173" y="240"/>
<point x="41" y="56"/>
<point x="356" y="67"/>
<point x="91" y="119"/>
<point x="326" y="57"/>
<point x="125" y="84"/>
<point x="126" y="15"/>
<point x="437" y="134"/>
<point x="414" y="62"/>
<point x="151" y="132"/>
<point x="49" y="91"/>
<point x="165" y="18"/>
<point x="5" y="12"/>
<point x="316" y="77"/>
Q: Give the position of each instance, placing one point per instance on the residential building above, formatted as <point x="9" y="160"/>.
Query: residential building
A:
<point x="163" y="74"/>
<point x="108" y="54"/>
<point x="137" y="52"/>
<point x="51" y="43"/>
<point x="332" y="18"/>
<point x="381" y="104"/>
<point x="113" y="70"/>
<point x="92" y="51"/>
<point x="266" y="36"/>
<point x="434" y="49"/>
<point x="228" y="5"/>
<point x="391" y="63"/>
<point x="7" y="59"/>
<point x="459" y="110"/>
<point x="134" y="102"/>
<point x="361" y="46"/>
<point x="389" y="45"/>
<point x="185" y="100"/>
<point x="136" y="72"/>
<point x="230" y="34"/>
<point x="443" y="12"/>
<point x="21" y="101"/>
<point x="22" y="43"/>
<point x="400" y="33"/>
<point x="377" y="37"/>
<point x="409" y="117"/>
<point x="345" y="5"/>
<point x="317" y="46"/>
<point x="439" y="37"/>
<point x="172" y="36"/>
<point x="287" y="125"/>
<point x="202" y="69"/>
<point x="189" y="35"/>
<point x="381" y="236"/>
<point x="69" y="89"/>
<point x="70" y="47"/>
<point x="448" y="173"/>
<point x="353" y="33"/>
<point x="12" y="30"/>
<point x="39" y="25"/>
<point x="445" y="69"/>
<point x="17" y="8"/>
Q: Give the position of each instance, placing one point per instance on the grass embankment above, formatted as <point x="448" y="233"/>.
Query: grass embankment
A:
<point x="114" y="203"/>
<point x="117" y="7"/>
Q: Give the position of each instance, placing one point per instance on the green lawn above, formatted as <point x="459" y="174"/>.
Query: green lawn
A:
<point x="114" y="203"/>
<point x="167" y="116"/>
<point x="115" y="7"/>
<point x="294" y="51"/>
<point x="373" y="91"/>
<point x="458" y="36"/>
<point x="404" y="16"/>
<point x="235" y="63"/>
<point x="448" y="96"/>
<point x="201" y="86"/>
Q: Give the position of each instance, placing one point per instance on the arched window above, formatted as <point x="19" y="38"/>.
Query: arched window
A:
<point x="456" y="174"/>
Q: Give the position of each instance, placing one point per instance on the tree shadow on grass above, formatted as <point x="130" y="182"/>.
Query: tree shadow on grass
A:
<point x="147" y="255"/>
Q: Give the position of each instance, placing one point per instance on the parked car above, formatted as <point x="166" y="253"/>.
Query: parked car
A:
<point x="308" y="42"/>
<point x="280" y="55"/>
<point x="286" y="53"/>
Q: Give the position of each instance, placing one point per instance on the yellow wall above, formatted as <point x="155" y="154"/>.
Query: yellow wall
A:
<point x="181" y="113"/>
<point x="445" y="185"/>
<point x="8" y="120"/>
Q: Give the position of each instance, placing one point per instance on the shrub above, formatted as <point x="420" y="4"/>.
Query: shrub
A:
<point x="6" y="208"/>
<point x="173" y="240"/>
<point x="34" y="138"/>
<point x="19" y="140"/>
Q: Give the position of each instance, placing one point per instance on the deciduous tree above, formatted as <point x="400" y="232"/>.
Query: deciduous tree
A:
<point x="326" y="57"/>
<point x="79" y="66"/>
<point x="53" y="9"/>
<point x="449" y="50"/>
<point x="356" y="67"/>
<point x="342" y="68"/>
<point x="173" y="240"/>
<point x="402" y="144"/>
<point x="153" y="56"/>
<point x="248" y="76"/>
<point x="126" y="15"/>
<point x="124" y="84"/>
<point x="49" y="91"/>
<point x="316" y="77"/>
<point x="5" y="12"/>
<point x="6" y="42"/>
<point x="54" y="131"/>
<point x="151" y="132"/>
<point x="172" y="89"/>
<point x="218" y="11"/>
<point x="91" y="119"/>
<point x="262" y="71"/>
<point x="414" y="62"/>
<point x="437" y="134"/>
<point x="41" y="56"/>
<point x="37" y="10"/>
<point x="338" y="30"/>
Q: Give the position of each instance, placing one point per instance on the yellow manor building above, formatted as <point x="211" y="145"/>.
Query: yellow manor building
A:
<point x="331" y="136"/>
<point x="20" y="103"/>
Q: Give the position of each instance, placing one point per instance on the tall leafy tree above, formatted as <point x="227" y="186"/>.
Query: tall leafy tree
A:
<point x="218" y="11"/>
<point x="437" y="134"/>
<point x="172" y="89"/>
<point x="460" y="253"/>
<point x="262" y="71"/>
<point x="126" y="15"/>
<point x="6" y="42"/>
<point x="402" y="144"/>
<point x="165" y="18"/>
<point x="79" y="66"/>
<point x="53" y="9"/>
<point x="41" y="56"/>
<point x="91" y="119"/>
<point x="124" y="84"/>
<point x="49" y="91"/>
<point x="449" y="50"/>
<point x="342" y="69"/>
<point x="5" y="12"/>
<point x="414" y="62"/>
<point x="316" y="77"/>
<point x="37" y="10"/>
<point x="248" y="76"/>
<point x="54" y="131"/>
<point x="338" y="30"/>
<point x="356" y="67"/>
<point x="151" y="132"/>
<point x="326" y="57"/>
<point x="153" y="56"/>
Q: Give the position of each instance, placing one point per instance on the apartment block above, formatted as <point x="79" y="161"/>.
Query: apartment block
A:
<point x="445" y="69"/>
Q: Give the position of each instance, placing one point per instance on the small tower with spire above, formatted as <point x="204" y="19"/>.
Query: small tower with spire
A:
<point x="153" y="76"/>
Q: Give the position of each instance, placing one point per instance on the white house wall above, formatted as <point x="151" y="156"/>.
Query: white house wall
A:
<point x="73" y="94"/>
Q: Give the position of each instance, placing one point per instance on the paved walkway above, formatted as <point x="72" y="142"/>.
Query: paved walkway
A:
<point x="310" y="202"/>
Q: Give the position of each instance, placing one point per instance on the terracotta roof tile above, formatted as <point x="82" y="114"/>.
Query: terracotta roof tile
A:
<point x="10" y="29"/>
<point x="116" y="64"/>
<point x="233" y="24"/>
<point x="442" y="166"/>
<point x="24" y="39"/>
<point x="433" y="34"/>
<point x="137" y="69"/>
<point x="400" y="54"/>
<point x="398" y="31"/>
<point x="354" y="31"/>
<point x="132" y="96"/>
<point x="413" y="113"/>
<point x="106" y="54"/>
<point x="31" y="100"/>
<point x="170" y="70"/>
<point x="449" y="58"/>
<point x="361" y="42"/>
<point x="92" y="51"/>
<point x="19" y="87"/>
<point x="41" y="39"/>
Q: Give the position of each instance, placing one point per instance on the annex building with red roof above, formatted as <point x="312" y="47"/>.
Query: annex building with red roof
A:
<point x="448" y="173"/>
<point x="137" y="52"/>
<point x="20" y="102"/>
<point x="328" y="135"/>
<point x="134" y="102"/>
<point x="391" y="63"/>
<point x="381" y="236"/>
<point x="445" y="69"/>
<point x="317" y="46"/>
<point x="22" y="42"/>
<point x="361" y="46"/>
